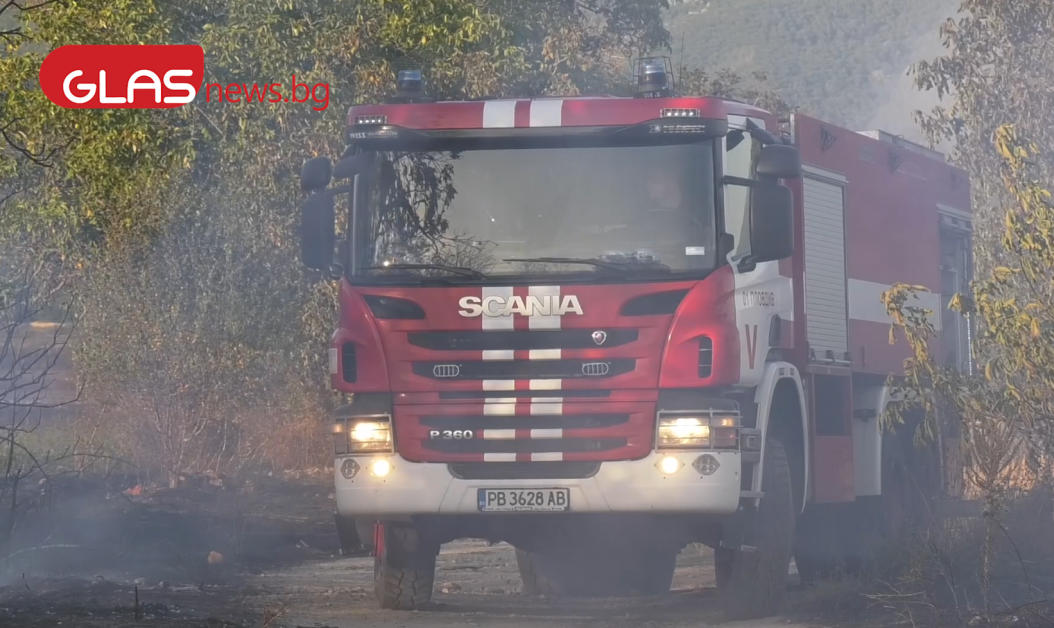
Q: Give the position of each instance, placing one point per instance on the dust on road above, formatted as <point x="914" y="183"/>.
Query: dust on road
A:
<point x="479" y="585"/>
<point x="90" y="568"/>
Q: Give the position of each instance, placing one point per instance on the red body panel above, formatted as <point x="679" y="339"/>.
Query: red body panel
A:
<point x="892" y="199"/>
<point x="386" y="352"/>
<point x="575" y="112"/>
<point x="891" y="225"/>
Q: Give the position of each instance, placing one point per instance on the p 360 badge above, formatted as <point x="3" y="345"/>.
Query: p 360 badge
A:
<point x="451" y="434"/>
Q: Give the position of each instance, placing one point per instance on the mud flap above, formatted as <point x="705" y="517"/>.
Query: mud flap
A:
<point x="736" y="530"/>
<point x="347" y="535"/>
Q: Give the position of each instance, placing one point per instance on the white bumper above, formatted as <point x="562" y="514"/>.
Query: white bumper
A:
<point x="412" y="488"/>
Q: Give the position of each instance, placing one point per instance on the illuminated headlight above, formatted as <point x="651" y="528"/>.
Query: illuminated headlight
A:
<point x="684" y="432"/>
<point x="697" y="430"/>
<point x="370" y="436"/>
<point x="363" y="435"/>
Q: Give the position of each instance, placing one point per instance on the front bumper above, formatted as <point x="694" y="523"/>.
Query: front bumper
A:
<point x="414" y="488"/>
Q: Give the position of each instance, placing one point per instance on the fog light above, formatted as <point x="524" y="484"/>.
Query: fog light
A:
<point x="380" y="468"/>
<point x="669" y="465"/>
<point x="706" y="464"/>
<point x="349" y="468"/>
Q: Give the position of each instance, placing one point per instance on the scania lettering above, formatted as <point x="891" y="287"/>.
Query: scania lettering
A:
<point x="640" y="322"/>
<point x="529" y="306"/>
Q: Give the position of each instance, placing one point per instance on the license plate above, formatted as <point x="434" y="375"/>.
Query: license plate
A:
<point x="524" y="499"/>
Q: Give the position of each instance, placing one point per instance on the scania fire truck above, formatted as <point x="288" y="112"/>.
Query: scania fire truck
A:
<point x="600" y="329"/>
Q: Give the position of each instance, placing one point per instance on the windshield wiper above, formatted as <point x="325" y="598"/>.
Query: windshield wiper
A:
<point x="457" y="270"/>
<point x="621" y="267"/>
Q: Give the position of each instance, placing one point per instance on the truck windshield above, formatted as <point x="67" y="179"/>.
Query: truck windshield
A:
<point x="506" y="211"/>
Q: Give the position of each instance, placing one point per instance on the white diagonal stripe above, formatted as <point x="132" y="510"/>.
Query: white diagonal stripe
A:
<point x="500" y="407"/>
<point x="499" y="434"/>
<point x="547" y="408"/>
<point x="551" y="456"/>
<point x="496" y="322"/>
<point x="499" y="114"/>
<point x="547" y="112"/>
<point x="499" y="384"/>
<point x="499" y="457"/>
<point x="557" y="433"/>
<point x="542" y="317"/>
<point x="498" y="354"/>
<point x="544" y="354"/>
<point x="546" y="384"/>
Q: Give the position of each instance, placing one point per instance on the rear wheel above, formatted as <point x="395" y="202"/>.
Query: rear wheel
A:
<point x="757" y="579"/>
<point x="404" y="568"/>
<point x="854" y="538"/>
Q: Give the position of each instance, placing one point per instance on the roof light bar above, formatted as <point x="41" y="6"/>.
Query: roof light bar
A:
<point x="680" y="113"/>
<point x="367" y="120"/>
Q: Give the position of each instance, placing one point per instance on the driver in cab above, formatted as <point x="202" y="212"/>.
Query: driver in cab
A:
<point x="667" y="222"/>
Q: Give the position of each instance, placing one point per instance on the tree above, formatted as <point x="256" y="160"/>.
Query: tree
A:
<point x="996" y="72"/>
<point x="178" y="227"/>
<point x="1006" y="412"/>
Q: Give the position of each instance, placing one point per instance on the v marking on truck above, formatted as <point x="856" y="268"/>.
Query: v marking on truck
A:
<point x="752" y="343"/>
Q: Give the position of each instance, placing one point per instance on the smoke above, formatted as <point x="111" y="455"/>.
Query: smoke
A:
<point x="899" y="95"/>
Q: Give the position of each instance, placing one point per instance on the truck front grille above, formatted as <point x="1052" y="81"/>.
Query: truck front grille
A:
<point x="551" y="422"/>
<point x="526" y="446"/>
<point x="523" y="470"/>
<point x="524" y="369"/>
<point x="521" y="340"/>
<point x="526" y="431"/>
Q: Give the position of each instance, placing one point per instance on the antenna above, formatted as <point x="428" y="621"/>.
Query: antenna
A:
<point x="680" y="60"/>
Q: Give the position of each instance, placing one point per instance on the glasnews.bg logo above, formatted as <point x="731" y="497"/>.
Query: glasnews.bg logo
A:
<point x="122" y="77"/>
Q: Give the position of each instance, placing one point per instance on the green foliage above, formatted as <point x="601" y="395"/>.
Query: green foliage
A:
<point x="996" y="72"/>
<point x="202" y="335"/>
<point x="832" y="58"/>
<point x="1005" y="411"/>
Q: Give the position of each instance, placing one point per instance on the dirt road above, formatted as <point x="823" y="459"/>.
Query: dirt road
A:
<point x="478" y="585"/>
<point x="282" y="571"/>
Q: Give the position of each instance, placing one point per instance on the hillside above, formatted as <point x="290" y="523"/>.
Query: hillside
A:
<point x="843" y="60"/>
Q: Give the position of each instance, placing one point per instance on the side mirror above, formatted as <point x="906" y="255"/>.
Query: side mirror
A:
<point x="771" y="222"/>
<point x="779" y="161"/>
<point x="318" y="231"/>
<point x="316" y="174"/>
<point x="350" y="166"/>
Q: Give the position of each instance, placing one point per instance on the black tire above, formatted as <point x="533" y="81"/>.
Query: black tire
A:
<point x="599" y="573"/>
<point x="758" y="579"/>
<point x="534" y="579"/>
<point x="404" y="569"/>
<point x="723" y="559"/>
<point x="818" y="548"/>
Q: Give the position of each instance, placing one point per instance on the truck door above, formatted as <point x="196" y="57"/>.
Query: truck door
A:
<point x="830" y="387"/>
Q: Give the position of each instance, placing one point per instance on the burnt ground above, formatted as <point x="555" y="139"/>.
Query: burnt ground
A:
<point x="275" y="563"/>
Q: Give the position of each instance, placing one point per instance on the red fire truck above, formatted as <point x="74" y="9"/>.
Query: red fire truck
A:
<point x="603" y="328"/>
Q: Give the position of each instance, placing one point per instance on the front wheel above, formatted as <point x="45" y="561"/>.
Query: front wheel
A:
<point x="404" y="568"/>
<point x="755" y="584"/>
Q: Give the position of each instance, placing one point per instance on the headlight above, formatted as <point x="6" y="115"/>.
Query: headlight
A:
<point x="684" y="432"/>
<point x="363" y="435"/>
<point x="697" y="430"/>
<point x="370" y="436"/>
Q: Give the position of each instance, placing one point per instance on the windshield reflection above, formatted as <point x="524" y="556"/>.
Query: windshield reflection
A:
<point x="497" y="211"/>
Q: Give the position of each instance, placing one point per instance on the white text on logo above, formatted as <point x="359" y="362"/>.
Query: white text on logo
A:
<point x="547" y="305"/>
